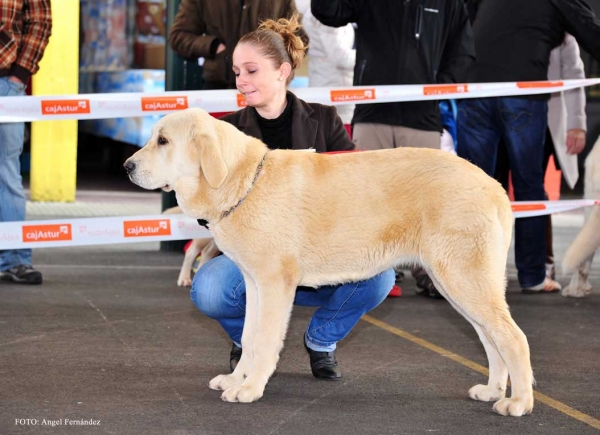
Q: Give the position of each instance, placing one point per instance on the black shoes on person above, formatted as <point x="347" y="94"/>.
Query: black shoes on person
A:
<point x="322" y="364"/>
<point x="22" y="274"/>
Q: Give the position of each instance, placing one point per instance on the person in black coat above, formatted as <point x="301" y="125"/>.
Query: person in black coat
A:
<point x="513" y="40"/>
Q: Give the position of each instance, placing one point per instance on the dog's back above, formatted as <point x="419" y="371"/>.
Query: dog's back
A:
<point x="400" y="200"/>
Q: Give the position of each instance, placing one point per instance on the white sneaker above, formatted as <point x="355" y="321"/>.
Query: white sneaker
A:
<point x="546" y="286"/>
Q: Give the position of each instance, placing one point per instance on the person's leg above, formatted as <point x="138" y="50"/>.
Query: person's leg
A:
<point x="218" y="290"/>
<point x="478" y="129"/>
<point x="549" y="151"/>
<point x="524" y="124"/>
<point x="369" y="136"/>
<point x="502" y="166"/>
<point x="341" y="307"/>
<point x="411" y="137"/>
<point x="12" y="195"/>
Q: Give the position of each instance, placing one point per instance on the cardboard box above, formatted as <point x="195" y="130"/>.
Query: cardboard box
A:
<point x="154" y="56"/>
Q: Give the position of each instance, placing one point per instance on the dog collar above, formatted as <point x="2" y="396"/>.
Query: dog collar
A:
<point x="205" y="223"/>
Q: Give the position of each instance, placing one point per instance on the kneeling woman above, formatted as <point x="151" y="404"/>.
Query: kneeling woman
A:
<point x="264" y="62"/>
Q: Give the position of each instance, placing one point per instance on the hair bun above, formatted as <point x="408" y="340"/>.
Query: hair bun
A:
<point x="288" y="29"/>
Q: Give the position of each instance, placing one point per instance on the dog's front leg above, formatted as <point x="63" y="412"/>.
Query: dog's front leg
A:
<point x="580" y="286"/>
<point x="275" y="301"/>
<point x="224" y="382"/>
<point x="185" y="274"/>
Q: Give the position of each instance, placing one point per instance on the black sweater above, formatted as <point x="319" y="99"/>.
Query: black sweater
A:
<point x="513" y="38"/>
<point x="404" y="42"/>
<point x="277" y="133"/>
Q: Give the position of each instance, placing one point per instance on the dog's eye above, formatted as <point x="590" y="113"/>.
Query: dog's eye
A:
<point x="162" y="140"/>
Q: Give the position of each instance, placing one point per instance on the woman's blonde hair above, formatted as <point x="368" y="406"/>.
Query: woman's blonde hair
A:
<point x="279" y="41"/>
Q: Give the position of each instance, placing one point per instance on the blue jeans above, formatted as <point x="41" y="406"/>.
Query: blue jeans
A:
<point x="12" y="195"/>
<point x="218" y="290"/>
<point x="521" y="124"/>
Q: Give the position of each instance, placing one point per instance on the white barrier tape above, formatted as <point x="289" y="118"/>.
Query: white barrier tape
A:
<point x="99" y="231"/>
<point x="112" y="230"/>
<point x="123" y="105"/>
<point x="523" y="209"/>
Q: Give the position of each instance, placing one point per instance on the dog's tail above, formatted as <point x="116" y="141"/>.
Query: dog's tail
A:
<point x="585" y="244"/>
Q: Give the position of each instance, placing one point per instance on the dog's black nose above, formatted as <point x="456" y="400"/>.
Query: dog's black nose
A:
<point x="129" y="166"/>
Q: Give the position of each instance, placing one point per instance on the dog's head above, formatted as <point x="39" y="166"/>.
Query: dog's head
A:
<point x="189" y="143"/>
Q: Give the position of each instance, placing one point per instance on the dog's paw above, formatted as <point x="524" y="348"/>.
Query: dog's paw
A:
<point x="184" y="282"/>
<point x="571" y="291"/>
<point x="486" y="393"/>
<point x="245" y="393"/>
<point x="225" y="382"/>
<point x="515" y="407"/>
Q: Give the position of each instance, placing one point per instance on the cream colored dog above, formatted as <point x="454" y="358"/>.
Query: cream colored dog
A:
<point x="206" y="248"/>
<point x="579" y="255"/>
<point x="288" y="218"/>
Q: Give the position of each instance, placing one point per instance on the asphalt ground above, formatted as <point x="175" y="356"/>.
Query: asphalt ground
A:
<point x="110" y="339"/>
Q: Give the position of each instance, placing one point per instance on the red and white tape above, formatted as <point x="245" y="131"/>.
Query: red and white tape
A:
<point x="98" y="231"/>
<point x="123" y="105"/>
<point x="112" y="230"/>
<point x="522" y="209"/>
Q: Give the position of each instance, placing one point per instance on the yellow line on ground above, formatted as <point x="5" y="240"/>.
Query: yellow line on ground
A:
<point x="542" y="398"/>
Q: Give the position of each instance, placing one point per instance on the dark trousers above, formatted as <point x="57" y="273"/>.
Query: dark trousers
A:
<point x="502" y="175"/>
<point x="521" y="124"/>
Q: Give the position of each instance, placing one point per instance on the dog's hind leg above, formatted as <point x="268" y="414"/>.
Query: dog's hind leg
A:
<point x="470" y="274"/>
<point x="273" y="310"/>
<point x="498" y="377"/>
<point x="505" y="344"/>
<point x="514" y="350"/>
<point x="495" y="389"/>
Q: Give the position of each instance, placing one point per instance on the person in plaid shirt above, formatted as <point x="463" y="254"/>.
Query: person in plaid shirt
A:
<point x="25" y="27"/>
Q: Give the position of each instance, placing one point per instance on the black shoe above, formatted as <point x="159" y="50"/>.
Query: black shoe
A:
<point x="323" y="364"/>
<point x="234" y="357"/>
<point x="399" y="275"/>
<point x="22" y="274"/>
<point x="426" y="287"/>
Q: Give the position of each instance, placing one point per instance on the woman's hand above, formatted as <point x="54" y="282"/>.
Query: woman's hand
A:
<point x="575" y="141"/>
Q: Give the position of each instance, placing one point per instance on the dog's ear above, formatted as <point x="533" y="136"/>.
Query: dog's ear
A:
<point x="209" y="141"/>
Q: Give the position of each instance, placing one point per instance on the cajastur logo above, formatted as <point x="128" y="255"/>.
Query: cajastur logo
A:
<point x="61" y="107"/>
<point x="47" y="233"/>
<point x="444" y="89"/>
<point x="147" y="228"/>
<point x="352" y="95"/>
<point x="241" y="101"/>
<point x="155" y="104"/>
<point x="539" y="84"/>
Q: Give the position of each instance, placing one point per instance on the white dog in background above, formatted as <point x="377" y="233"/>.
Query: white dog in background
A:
<point x="206" y="248"/>
<point x="579" y="255"/>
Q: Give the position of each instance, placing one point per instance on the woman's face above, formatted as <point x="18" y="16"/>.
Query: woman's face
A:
<point x="257" y="78"/>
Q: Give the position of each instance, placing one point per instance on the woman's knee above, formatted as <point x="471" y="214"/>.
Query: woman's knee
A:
<point x="379" y="287"/>
<point x="216" y="288"/>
